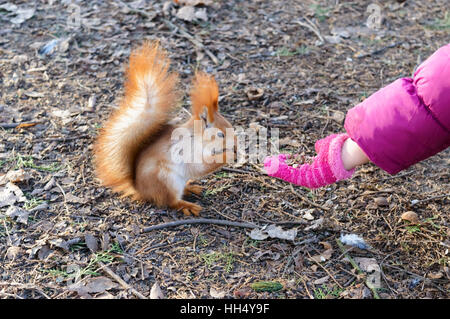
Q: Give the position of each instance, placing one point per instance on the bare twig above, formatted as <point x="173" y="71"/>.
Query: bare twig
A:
<point x="355" y="265"/>
<point x="5" y="294"/>
<point x="326" y="123"/>
<point x="198" y="221"/>
<point x="430" y="198"/>
<point x="9" y="241"/>
<point x="326" y="270"/>
<point x="240" y="171"/>
<point x="193" y="39"/>
<point x="61" y="139"/>
<point x="24" y="286"/>
<point x="180" y="29"/>
<point x="17" y="125"/>
<point x="378" y="51"/>
<point x="138" y="11"/>
<point x="116" y="277"/>
<point x="307" y="200"/>
<point x="398" y="176"/>
<point x="311" y="26"/>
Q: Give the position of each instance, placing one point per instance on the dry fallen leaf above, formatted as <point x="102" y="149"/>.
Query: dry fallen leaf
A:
<point x="96" y="285"/>
<point x="289" y="141"/>
<point x="12" y="252"/>
<point x="367" y="264"/>
<point x="338" y="116"/>
<point x="254" y="93"/>
<point x="371" y="267"/>
<point x="273" y="232"/>
<point x="10" y="194"/>
<point x="216" y="293"/>
<point x="435" y="275"/>
<point x="381" y="201"/>
<point x="34" y="94"/>
<point x="323" y="256"/>
<point x="186" y="13"/>
<point x="278" y="232"/>
<point x="100" y="284"/>
<point x="74" y="199"/>
<point x="156" y="292"/>
<point x="201" y="14"/>
<point x="194" y="2"/>
<point x="308" y="215"/>
<point x="17" y="15"/>
<point x="326" y="245"/>
<point x="267" y="254"/>
<point x="21" y="215"/>
<point x="317" y="224"/>
<point x="44" y="252"/>
<point x="258" y="234"/>
<point x="321" y="281"/>
<point x="14" y="176"/>
<point x="255" y="126"/>
<point x="91" y="242"/>
<point x="63" y="114"/>
<point x="242" y="293"/>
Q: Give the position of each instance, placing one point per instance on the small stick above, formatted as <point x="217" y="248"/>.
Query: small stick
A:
<point x="326" y="123"/>
<point x="191" y="38"/>
<point x="355" y="265"/>
<point x="311" y="27"/>
<point x="378" y="51"/>
<point x="121" y="281"/>
<point x="430" y="198"/>
<point x="307" y="200"/>
<point x="9" y="241"/>
<point x="60" y="139"/>
<point x="304" y="284"/>
<point x="198" y="221"/>
<point x="24" y="286"/>
<point x="398" y="176"/>
<point x="326" y="270"/>
<point x="182" y="31"/>
<point x="132" y="10"/>
<point x="17" y="125"/>
<point x="239" y="171"/>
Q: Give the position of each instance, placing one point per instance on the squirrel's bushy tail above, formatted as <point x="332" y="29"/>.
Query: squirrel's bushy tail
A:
<point x="150" y="96"/>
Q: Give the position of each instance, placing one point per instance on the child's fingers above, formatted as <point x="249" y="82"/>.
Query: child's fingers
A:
<point x="272" y="163"/>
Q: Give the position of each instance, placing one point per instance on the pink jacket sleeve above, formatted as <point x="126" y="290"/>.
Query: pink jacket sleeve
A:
<point x="408" y="120"/>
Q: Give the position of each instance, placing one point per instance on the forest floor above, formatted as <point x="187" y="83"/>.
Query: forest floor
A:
<point x="62" y="235"/>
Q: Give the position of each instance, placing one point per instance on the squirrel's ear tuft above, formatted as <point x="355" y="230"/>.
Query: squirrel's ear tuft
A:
<point x="204" y="94"/>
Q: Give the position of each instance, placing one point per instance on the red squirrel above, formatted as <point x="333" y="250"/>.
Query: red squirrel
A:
<point x="132" y="153"/>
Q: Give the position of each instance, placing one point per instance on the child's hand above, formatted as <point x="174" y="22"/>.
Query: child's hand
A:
<point x="326" y="168"/>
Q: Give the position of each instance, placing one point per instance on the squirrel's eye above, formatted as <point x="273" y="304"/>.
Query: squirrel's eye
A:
<point x="220" y="134"/>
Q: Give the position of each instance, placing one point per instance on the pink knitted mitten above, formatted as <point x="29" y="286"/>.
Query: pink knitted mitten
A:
<point x="327" y="167"/>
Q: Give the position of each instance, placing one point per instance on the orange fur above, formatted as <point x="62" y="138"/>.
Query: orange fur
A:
<point x="132" y="151"/>
<point x="204" y="93"/>
<point x="118" y="145"/>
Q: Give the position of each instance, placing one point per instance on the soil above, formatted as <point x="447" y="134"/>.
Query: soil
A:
<point x="293" y="65"/>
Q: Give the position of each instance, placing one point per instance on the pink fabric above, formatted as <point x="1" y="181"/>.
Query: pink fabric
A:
<point x="327" y="167"/>
<point x="408" y="120"/>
